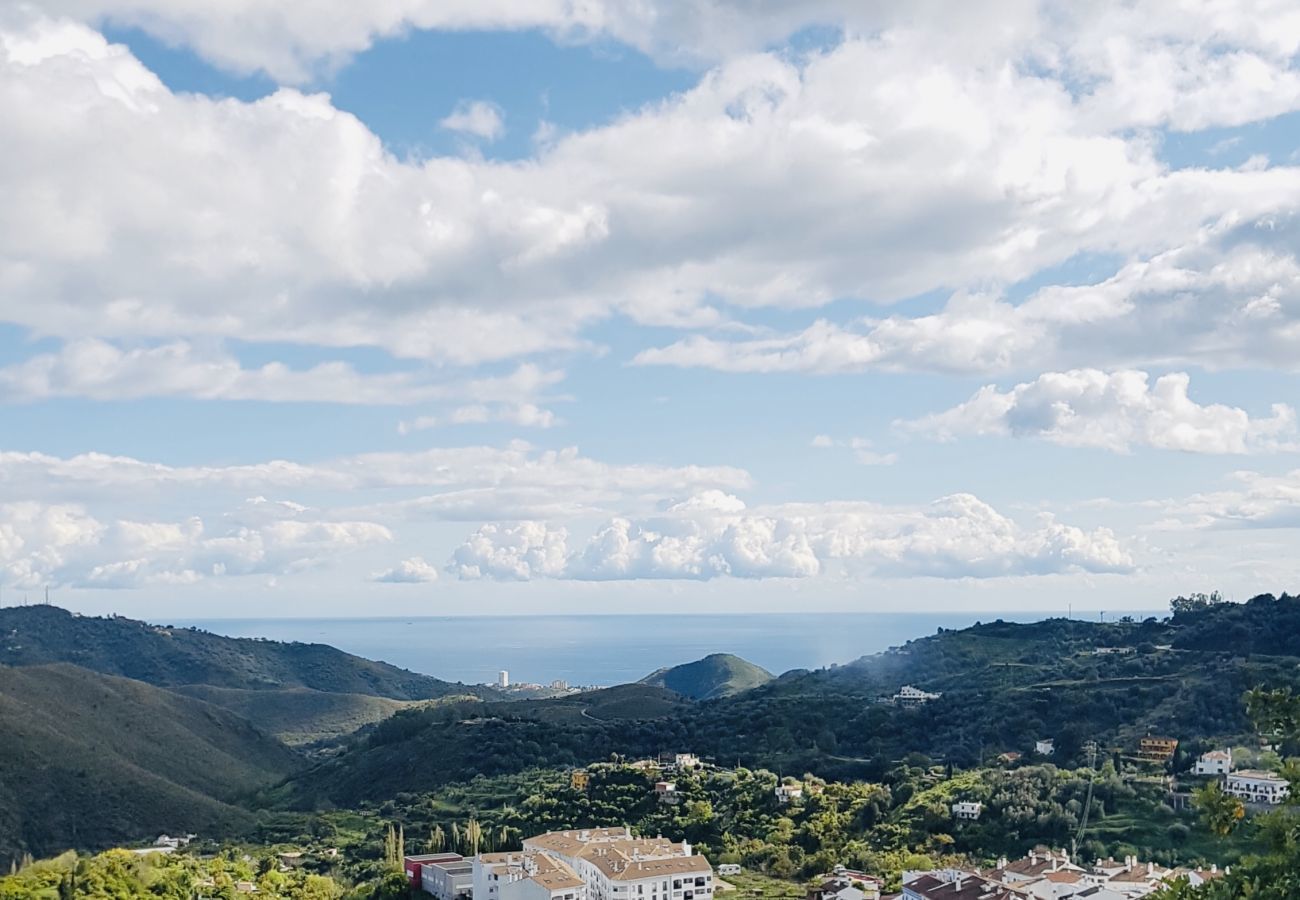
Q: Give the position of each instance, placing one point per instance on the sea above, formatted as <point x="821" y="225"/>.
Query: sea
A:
<point x="607" y="649"/>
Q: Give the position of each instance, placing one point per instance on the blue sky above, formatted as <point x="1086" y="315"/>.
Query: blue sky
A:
<point x="711" y="307"/>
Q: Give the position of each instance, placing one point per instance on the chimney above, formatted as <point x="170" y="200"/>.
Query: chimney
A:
<point x="1151" y="867"/>
<point x="957" y="882"/>
<point x="1214" y="867"/>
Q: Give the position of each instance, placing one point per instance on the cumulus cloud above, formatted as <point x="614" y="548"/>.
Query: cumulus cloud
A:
<point x="478" y="118"/>
<point x="1114" y="411"/>
<point x="968" y="169"/>
<point x="409" y="571"/>
<point x="955" y="537"/>
<point x="63" y="544"/>
<point x="1228" y="297"/>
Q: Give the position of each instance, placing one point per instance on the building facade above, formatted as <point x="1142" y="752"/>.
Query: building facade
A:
<point x="1255" y="786"/>
<point x="1216" y="762"/>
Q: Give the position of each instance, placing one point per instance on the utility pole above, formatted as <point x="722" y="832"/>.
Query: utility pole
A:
<point x="1091" y="748"/>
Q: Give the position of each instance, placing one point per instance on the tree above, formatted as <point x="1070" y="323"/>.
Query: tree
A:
<point x="437" y="840"/>
<point x="473" y="835"/>
<point x="1221" y="812"/>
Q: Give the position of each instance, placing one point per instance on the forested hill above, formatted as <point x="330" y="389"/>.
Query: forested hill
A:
<point x="173" y="657"/>
<point x="1004" y="686"/>
<point x="89" y="760"/>
<point x="717" y="675"/>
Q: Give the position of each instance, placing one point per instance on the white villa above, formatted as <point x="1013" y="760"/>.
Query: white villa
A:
<point x="1045" y="748"/>
<point x="1257" y="786"/>
<point x="1216" y="762"/>
<point x="914" y="696"/>
<point x="593" y="864"/>
<point x="967" y="809"/>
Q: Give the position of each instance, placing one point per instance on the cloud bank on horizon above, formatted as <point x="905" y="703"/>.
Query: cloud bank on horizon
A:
<point x="873" y="297"/>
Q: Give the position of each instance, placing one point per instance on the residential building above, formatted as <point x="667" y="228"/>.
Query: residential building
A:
<point x="1045" y="748"/>
<point x="956" y="884"/>
<point x="967" y="809"/>
<point x="789" y="793"/>
<point x="666" y="791"/>
<point x="908" y="696"/>
<point x="1216" y="762"/>
<point x="1047" y="874"/>
<point x="1257" y="786"/>
<point x="448" y="879"/>
<point x="843" y="884"/>
<point x="729" y="869"/>
<point x="579" y="779"/>
<point x="503" y="679"/>
<point x="1157" y="749"/>
<point x="414" y="865"/>
<point x="610" y="864"/>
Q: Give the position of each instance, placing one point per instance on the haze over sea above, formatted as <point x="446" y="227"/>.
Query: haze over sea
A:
<point x="605" y="650"/>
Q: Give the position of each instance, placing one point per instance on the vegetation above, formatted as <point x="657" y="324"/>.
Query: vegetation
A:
<point x="87" y="760"/>
<point x="717" y="675"/>
<point x="170" y="657"/>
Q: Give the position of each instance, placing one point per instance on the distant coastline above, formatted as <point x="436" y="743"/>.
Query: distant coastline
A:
<point x="613" y="649"/>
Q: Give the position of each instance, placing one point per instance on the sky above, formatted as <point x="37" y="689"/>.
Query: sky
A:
<point x="500" y="307"/>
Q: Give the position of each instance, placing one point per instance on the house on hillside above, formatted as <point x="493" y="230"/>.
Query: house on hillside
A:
<point x="909" y="696"/>
<point x="1257" y="786"/>
<point x="666" y="792"/>
<point x="1157" y="749"/>
<point x="967" y="809"/>
<point x="579" y="779"/>
<point x="1045" y="748"/>
<point x="789" y="793"/>
<point x="1216" y="762"/>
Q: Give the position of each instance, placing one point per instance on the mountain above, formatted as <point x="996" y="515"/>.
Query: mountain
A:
<point x="1003" y="687"/>
<point x="717" y="675"/>
<point x="300" y="716"/>
<point x="172" y="657"/>
<point x="89" y="760"/>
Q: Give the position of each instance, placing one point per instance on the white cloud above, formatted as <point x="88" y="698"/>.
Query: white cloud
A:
<point x="955" y="537"/>
<point x="1114" y="411"/>
<point x="864" y="450"/>
<point x="285" y="219"/>
<point x="511" y="552"/>
<point x="1229" y="297"/>
<point x="63" y="544"/>
<point x="1258" y="500"/>
<point x="478" y="118"/>
<point x="409" y="571"/>
<point x="477" y="482"/>
<point x="527" y="415"/>
<point x="99" y="370"/>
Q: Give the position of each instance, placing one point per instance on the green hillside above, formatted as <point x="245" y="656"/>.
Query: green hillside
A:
<point x="89" y="760"/>
<point x="171" y="657"/>
<point x="717" y="675"/>
<point x="300" y="716"/>
<point x="1003" y="687"/>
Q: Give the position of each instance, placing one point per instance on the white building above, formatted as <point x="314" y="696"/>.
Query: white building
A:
<point x="1256" y="786"/>
<point x="729" y="869"/>
<point x="914" y="696"/>
<point x="967" y="809"/>
<point x="1045" y="748"/>
<point x="503" y="679"/>
<point x="1216" y="762"/>
<point x="789" y="793"/>
<point x="597" y="864"/>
